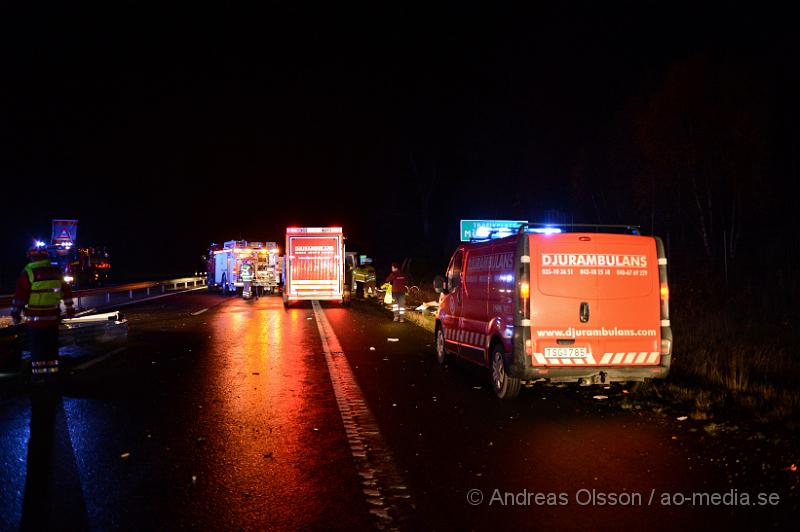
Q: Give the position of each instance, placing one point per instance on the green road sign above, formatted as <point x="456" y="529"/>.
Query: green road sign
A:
<point x="486" y="228"/>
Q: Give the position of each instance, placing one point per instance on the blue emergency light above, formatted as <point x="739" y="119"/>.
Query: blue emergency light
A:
<point x="545" y="230"/>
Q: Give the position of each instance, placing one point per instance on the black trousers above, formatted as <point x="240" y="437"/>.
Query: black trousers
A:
<point x="44" y="349"/>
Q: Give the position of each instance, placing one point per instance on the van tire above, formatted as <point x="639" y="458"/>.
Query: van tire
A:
<point x="504" y="386"/>
<point x="441" y="351"/>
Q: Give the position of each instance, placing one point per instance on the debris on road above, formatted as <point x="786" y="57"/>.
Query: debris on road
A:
<point x="194" y="479"/>
<point x="792" y="468"/>
<point x="372" y="348"/>
<point x="125" y="456"/>
<point x="256" y="373"/>
<point x="393" y="339"/>
<point x="682" y="418"/>
<point x="600" y="397"/>
<point x="430" y="306"/>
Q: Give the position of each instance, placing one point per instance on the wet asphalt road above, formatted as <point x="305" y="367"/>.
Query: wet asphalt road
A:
<point x="228" y="419"/>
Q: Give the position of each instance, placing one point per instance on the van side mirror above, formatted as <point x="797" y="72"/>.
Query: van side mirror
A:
<point x="439" y="285"/>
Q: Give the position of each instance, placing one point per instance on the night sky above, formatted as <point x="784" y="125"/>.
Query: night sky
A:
<point x="163" y="131"/>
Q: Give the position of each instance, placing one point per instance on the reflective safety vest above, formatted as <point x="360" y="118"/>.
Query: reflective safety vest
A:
<point x="247" y="272"/>
<point x="387" y="298"/>
<point x="364" y="274"/>
<point x="46" y="285"/>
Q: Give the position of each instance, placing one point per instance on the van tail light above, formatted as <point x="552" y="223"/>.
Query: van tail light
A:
<point x="528" y="347"/>
<point x="666" y="346"/>
<point x="523" y="283"/>
<point x="663" y="284"/>
<point x="524" y="295"/>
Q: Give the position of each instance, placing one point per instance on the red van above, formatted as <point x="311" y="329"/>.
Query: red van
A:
<point x="560" y="304"/>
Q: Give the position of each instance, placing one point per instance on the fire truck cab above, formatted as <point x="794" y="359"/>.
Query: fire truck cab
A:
<point x="583" y="304"/>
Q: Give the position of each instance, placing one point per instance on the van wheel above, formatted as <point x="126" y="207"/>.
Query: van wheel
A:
<point x="441" y="353"/>
<point x="505" y="386"/>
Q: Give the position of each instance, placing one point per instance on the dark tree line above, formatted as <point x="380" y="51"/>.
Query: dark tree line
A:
<point x="707" y="158"/>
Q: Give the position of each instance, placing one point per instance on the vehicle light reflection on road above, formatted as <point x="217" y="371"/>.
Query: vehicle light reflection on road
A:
<point x="259" y="378"/>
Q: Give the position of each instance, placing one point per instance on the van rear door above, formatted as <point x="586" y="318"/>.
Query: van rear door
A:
<point x="594" y="300"/>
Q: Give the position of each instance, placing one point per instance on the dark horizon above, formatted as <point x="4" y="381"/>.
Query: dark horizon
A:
<point x="395" y="125"/>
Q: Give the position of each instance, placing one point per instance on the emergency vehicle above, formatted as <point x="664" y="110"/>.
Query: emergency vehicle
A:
<point x="584" y="304"/>
<point x="226" y="261"/>
<point x="360" y="275"/>
<point x="83" y="267"/>
<point x="314" y="265"/>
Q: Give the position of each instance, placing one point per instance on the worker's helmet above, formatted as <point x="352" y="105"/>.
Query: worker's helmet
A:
<point x="395" y="265"/>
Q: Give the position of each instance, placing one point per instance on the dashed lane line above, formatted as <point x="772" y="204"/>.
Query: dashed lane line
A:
<point x="199" y="312"/>
<point x="386" y="493"/>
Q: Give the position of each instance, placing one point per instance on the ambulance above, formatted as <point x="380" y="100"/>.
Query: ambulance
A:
<point x="314" y="265"/>
<point x="582" y="304"/>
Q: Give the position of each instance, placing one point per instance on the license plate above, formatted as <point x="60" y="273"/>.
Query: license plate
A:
<point x="566" y="352"/>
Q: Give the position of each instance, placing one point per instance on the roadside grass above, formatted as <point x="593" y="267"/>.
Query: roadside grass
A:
<point x="735" y="353"/>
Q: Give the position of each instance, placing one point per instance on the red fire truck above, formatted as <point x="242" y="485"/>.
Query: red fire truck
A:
<point x="83" y="267"/>
<point x="226" y="262"/>
<point x="314" y="265"/>
<point x="564" y="304"/>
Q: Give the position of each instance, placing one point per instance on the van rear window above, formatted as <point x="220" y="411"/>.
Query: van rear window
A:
<point x="599" y="268"/>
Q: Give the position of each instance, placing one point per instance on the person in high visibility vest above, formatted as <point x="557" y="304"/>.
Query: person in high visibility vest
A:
<point x="398" y="280"/>
<point x="246" y="275"/>
<point x="39" y="292"/>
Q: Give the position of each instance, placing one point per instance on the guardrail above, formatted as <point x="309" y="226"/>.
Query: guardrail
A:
<point x="106" y="291"/>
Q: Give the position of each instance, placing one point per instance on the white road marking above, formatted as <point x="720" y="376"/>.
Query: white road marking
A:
<point x="387" y="496"/>
<point x="99" y="359"/>
<point x="199" y="312"/>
